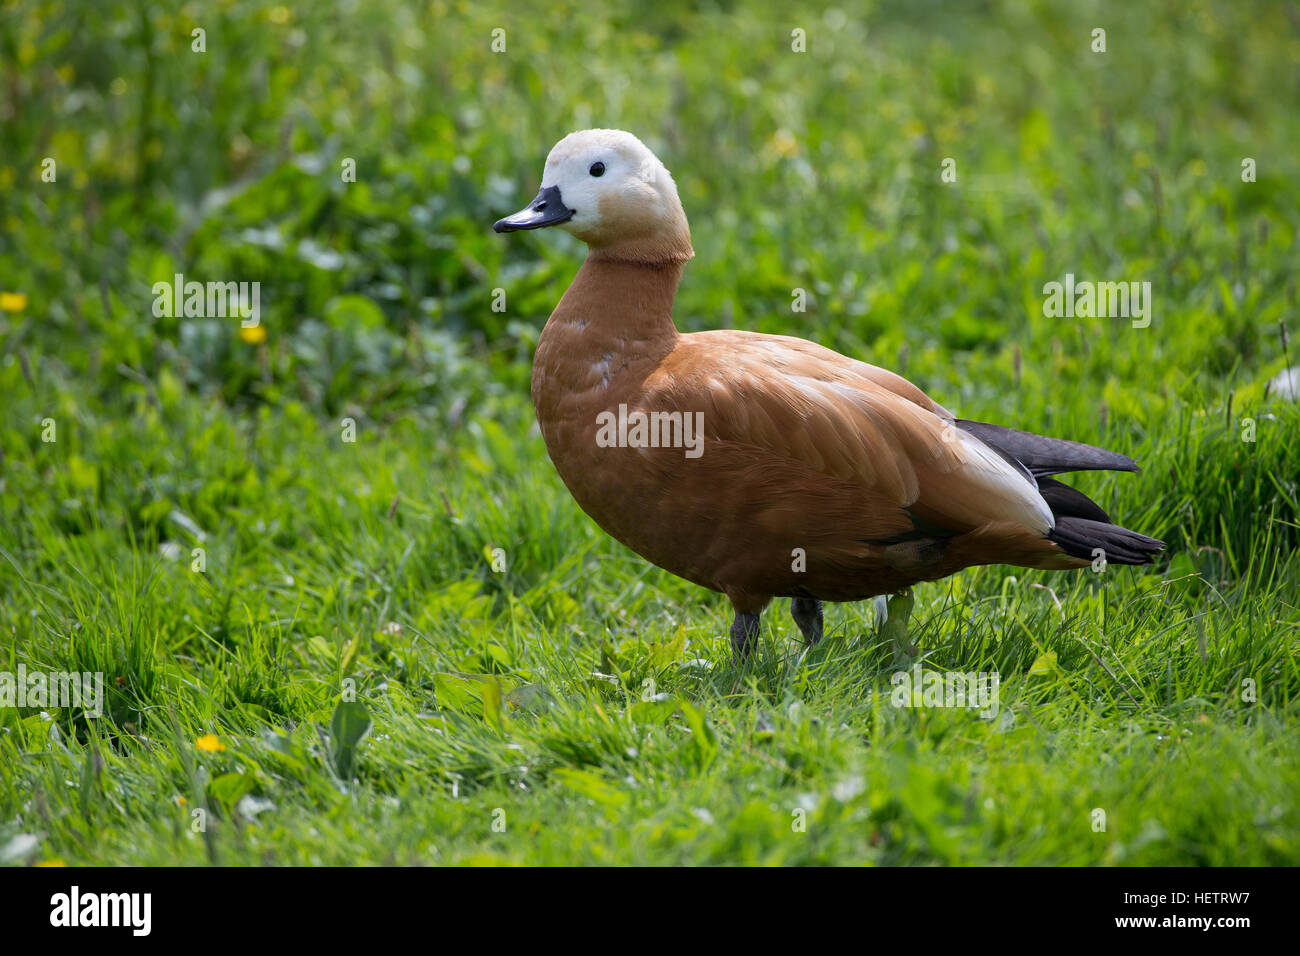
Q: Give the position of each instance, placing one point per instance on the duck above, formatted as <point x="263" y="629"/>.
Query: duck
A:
<point x="767" y="466"/>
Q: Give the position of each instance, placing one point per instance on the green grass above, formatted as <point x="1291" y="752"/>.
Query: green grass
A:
<point x="581" y="706"/>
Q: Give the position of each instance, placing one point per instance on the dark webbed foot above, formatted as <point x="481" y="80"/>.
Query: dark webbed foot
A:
<point x="807" y="613"/>
<point x="744" y="635"/>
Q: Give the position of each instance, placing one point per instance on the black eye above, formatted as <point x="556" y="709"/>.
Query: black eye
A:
<point x="597" y="169"/>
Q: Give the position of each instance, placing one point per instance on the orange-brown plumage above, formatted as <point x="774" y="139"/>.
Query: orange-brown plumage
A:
<point x="815" y="476"/>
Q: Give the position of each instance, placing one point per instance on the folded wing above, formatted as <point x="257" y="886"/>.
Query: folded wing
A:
<point x="799" y="401"/>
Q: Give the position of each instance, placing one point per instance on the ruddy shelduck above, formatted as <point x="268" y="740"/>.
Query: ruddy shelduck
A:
<point x="768" y="466"/>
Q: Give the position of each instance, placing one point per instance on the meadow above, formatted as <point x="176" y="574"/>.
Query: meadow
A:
<point x="346" y="611"/>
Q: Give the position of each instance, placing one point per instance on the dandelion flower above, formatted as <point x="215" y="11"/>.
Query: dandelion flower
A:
<point x="209" y="744"/>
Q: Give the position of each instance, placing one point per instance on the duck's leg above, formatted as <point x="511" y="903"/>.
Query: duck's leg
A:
<point x="807" y="613"/>
<point x="744" y="635"/>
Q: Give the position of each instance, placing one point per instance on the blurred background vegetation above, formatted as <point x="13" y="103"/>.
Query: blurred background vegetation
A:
<point x="817" y="170"/>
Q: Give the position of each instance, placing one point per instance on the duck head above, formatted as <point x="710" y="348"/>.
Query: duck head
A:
<point x="605" y="187"/>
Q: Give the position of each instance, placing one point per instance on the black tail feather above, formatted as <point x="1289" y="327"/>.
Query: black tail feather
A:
<point x="1047" y="456"/>
<point x="1067" y="502"/>
<point x="1084" y="537"/>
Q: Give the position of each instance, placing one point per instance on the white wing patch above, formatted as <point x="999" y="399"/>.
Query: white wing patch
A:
<point x="1010" y="496"/>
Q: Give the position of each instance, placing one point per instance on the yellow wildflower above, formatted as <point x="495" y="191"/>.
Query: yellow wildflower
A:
<point x="209" y="744"/>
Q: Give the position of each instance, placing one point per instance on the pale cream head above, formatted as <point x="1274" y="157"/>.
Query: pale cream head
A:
<point x="605" y="187"/>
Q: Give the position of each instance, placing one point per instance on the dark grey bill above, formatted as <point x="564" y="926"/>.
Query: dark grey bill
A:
<point x="546" y="210"/>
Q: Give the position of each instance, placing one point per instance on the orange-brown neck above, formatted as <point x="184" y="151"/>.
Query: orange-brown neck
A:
<point x="610" y="330"/>
<point x="620" y="304"/>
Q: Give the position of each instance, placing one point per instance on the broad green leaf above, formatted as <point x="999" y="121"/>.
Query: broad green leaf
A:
<point x="1045" y="663"/>
<point x="704" y="741"/>
<point x="349" y="655"/>
<point x="592" y="786"/>
<point x="652" y="711"/>
<point x="351" y="722"/>
<point x="490" y="690"/>
<point x="661" y="655"/>
<point x="229" y="788"/>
